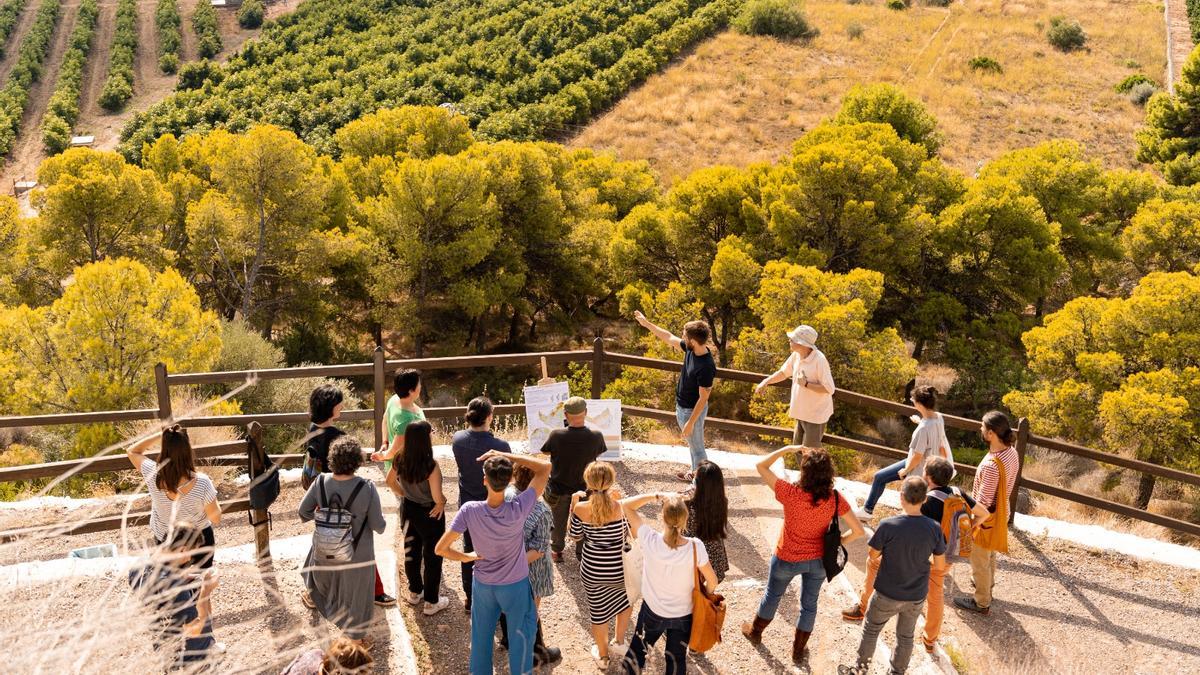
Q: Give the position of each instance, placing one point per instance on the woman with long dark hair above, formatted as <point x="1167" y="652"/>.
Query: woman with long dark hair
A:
<point x="179" y="494"/>
<point x="995" y="480"/>
<point x="424" y="509"/>
<point x="708" y="515"/>
<point x="809" y="505"/>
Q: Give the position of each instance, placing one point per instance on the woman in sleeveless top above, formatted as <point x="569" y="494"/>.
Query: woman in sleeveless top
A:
<point x="424" y="507"/>
<point x="604" y="530"/>
<point x="179" y="494"/>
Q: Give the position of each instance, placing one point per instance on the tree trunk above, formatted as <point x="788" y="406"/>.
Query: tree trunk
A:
<point x="514" y="324"/>
<point x="918" y="347"/>
<point x="481" y="333"/>
<point x="1145" y="491"/>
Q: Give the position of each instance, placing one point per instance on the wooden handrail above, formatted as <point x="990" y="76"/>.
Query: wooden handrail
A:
<point x="597" y="358"/>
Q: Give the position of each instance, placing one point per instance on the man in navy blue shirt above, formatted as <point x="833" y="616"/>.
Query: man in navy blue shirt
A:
<point x="905" y="544"/>
<point x="695" y="383"/>
<point x="469" y="445"/>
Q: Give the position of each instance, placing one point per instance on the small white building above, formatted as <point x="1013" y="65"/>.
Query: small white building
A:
<point x="82" y="141"/>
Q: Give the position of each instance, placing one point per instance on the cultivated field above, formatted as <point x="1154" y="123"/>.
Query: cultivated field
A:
<point x="737" y="99"/>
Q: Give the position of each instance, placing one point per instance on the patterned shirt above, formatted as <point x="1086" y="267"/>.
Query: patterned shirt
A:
<point x="537" y="538"/>
<point x="804" y="523"/>
<point x="987" y="477"/>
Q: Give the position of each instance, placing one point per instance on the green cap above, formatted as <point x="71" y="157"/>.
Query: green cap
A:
<point x="575" y="405"/>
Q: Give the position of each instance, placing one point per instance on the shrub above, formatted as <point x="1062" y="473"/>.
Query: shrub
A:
<point x="208" y="34"/>
<point x="897" y="4"/>
<point x="56" y="133"/>
<point x="118" y="88"/>
<point x="1141" y="92"/>
<point x="1066" y="34"/>
<point x="170" y="39"/>
<point x="27" y="70"/>
<point x="985" y="64"/>
<point x="193" y="75"/>
<point x="251" y="14"/>
<point x="938" y="3"/>
<point x="783" y="19"/>
<point x="888" y="104"/>
<point x="855" y="30"/>
<point x="168" y="63"/>
<point x="1127" y="84"/>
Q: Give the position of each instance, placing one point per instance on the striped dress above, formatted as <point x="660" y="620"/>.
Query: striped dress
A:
<point x="602" y="566"/>
<point x="537" y="538"/>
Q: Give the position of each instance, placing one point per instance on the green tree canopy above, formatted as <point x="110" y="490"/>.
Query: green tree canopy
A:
<point x="95" y="347"/>
<point x="1121" y="373"/>
<point x="1164" y="237"/>
<point x="888" y="104"/>
<point x="94" y="206"/>
<point x="1170" y="137"/>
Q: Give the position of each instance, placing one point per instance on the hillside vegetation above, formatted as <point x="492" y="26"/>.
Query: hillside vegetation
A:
<point x="740" y="99"/>
<point x="515" y="68"/>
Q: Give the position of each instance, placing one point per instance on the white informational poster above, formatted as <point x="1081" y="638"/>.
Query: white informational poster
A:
<point x="604" y="415"/>
<point x="544" y="411"/>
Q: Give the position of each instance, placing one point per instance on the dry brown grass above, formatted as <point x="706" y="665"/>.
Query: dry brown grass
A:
<point x="738" y="100"/>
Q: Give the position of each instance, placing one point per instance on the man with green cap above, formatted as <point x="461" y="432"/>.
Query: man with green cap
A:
<point x="571" y="449"/>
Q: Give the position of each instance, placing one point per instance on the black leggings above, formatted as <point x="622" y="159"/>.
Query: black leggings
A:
<point x="422" y="536"/>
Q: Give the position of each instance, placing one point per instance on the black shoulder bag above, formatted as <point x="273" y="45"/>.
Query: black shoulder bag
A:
<point x="835" y="556"/>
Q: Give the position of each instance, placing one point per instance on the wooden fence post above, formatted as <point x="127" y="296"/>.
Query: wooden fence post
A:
<point x="597" y="367"/>
<point x="378" y="376"/>
<point x="260" y="519"/>
<point x="1022" y="441"/>
<point x="164" y="392"/>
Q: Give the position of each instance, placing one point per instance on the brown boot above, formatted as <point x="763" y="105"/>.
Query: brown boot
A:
<point x="753" y="631"/>
<point x="800" y="645"/>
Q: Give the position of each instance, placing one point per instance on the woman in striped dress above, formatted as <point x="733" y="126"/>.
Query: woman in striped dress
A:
<point x="600" y="523"/>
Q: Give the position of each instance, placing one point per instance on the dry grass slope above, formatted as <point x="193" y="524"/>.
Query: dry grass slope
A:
<point x="738" y="100"/>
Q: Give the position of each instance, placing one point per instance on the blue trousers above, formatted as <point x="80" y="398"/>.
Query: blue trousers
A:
<point x="650" y="627"/>
<point x="812" y="575"/>
<point x="515" y="602"/>
<point x="887" y="474"/>
<point x="696" y="440"/>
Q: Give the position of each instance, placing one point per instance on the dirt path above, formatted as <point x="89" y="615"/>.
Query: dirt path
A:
<point x="1179" y="39"/>
<point x="96" y="69"/>
<point x="14" y="39"/>
<point x="1059" y="608"/>
<point x="29" y="151"/>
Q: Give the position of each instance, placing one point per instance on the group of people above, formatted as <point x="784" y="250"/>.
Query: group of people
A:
<point x="517" y="512"/>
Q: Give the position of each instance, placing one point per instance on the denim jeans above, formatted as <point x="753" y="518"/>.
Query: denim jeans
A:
<point x="887" y="474"/>
<point x="812" y="575"/>
<point x="515" y="601"/>
<point x="650" y="627"/>
<point x="696" y="440"/>
<point x="879" y="611"/>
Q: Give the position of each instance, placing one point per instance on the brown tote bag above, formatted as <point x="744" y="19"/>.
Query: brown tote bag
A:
<point x="708" y="613"/>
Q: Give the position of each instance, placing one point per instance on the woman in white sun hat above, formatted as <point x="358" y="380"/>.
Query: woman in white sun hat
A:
<point x="812" y="386"/>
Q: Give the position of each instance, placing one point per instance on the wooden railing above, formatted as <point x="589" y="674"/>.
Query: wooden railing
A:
<point x="597" y="357"/>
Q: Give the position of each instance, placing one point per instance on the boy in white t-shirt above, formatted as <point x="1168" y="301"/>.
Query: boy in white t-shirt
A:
<point x="669" y="562"/>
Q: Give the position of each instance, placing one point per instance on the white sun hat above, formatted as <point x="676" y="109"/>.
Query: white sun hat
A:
<point x="804" y="335"/>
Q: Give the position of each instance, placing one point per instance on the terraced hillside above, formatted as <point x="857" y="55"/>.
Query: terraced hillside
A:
<point x="516" y="68"/>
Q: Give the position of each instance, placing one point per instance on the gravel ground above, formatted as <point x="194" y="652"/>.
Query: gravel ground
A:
<point x="1059" y="608"/>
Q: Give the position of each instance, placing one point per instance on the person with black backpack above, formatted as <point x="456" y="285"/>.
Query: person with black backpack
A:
<point x="339" y="574"/>
<point x="810" y="509"/>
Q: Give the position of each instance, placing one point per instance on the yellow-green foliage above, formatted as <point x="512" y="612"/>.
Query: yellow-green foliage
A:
<point x="95" y="347"/>
<point x="1120" y="372"/>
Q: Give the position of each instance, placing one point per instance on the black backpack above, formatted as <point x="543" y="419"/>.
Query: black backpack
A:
<point x="835" y="556"/>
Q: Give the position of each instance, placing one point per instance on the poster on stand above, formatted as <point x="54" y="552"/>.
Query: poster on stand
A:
<point x="604" y="415"/>
<point x="544" y="411"/>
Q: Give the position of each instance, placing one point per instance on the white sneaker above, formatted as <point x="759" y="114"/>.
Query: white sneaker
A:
<point x="411" y="598"/>
<point x="862" y="514"/>
<point x="618" y="648"/>
<point x="442" y="603"/>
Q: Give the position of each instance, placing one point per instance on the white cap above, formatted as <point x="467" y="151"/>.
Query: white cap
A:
<point x="804" y="335"/>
